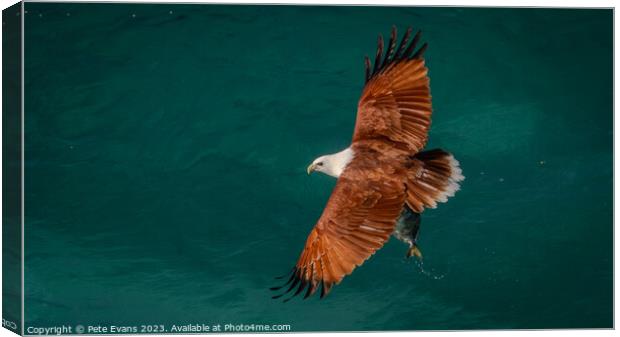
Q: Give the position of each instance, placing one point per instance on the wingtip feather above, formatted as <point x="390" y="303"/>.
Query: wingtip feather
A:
<point x="405" y="51"/>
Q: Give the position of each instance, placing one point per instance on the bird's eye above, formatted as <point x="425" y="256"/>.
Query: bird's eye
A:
<point x="320" y="164"/>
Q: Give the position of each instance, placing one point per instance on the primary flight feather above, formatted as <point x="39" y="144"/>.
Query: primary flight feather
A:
<point x="384" y="180"/>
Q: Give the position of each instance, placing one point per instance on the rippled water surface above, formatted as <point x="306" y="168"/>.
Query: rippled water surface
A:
<point x="166" y="148"/>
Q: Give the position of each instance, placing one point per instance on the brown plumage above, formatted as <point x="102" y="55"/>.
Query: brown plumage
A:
<point x="386" y="172"/>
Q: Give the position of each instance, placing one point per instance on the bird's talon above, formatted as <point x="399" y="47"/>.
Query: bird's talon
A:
<point x="414" y="251"/>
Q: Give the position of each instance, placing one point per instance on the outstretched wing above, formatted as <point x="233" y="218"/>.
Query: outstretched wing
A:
<point x="359" y="217"/>
<point x="396" y="101"/>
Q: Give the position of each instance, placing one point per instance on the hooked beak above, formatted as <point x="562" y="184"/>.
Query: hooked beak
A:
<point x="311" y="168"/>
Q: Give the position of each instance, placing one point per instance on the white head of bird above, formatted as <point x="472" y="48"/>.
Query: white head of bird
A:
<point x="332" y="164"/>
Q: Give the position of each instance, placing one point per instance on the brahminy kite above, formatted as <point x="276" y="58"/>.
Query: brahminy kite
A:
<point x="385" y="180"/>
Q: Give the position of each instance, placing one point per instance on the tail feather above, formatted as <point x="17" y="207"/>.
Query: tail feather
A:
<point x="434" y="177"/>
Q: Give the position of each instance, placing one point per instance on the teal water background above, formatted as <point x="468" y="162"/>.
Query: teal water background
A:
<point x="166" y="148"/>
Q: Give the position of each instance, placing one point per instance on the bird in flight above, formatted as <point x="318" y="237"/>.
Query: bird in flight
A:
<point x="385" y="180"/>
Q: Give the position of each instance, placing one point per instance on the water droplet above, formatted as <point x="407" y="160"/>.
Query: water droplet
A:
<point x="170" y="12"/>
<point x="40" y="15"/>
<point x="25" y="12"/>
<point x="542" y="162"/>
<point x="429" y="273"/>
<point x="133" y="15"/>
<point x="482" y="173"/>
<point x="68" y="14"/>
<point x="501" y="180"/>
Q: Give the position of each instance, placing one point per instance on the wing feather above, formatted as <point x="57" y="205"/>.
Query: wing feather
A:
<point x="395" y="104"/>
<point x="359" y="218"/>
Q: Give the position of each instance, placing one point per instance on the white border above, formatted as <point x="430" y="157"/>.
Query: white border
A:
<point x="443" y="3"/>
<point x="468" y="3"/>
